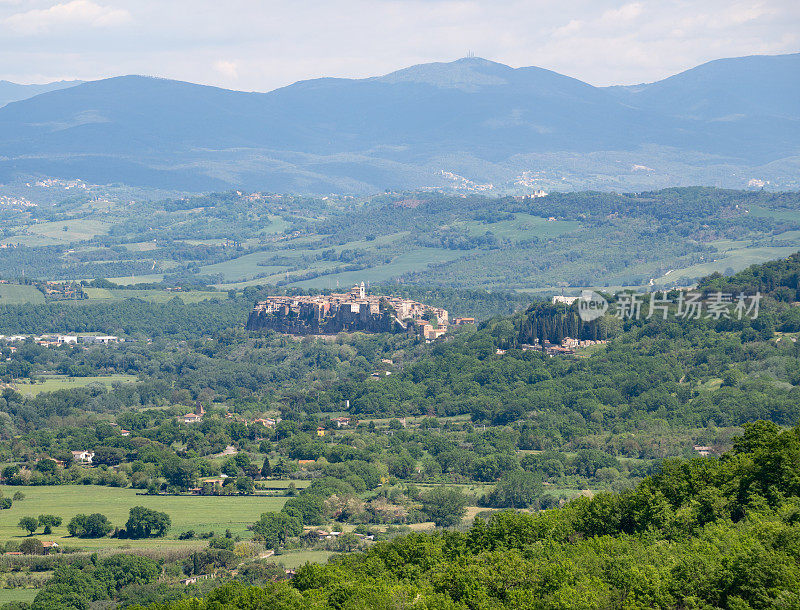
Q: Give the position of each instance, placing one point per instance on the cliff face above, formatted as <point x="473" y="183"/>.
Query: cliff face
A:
<point x="343" y="320"/>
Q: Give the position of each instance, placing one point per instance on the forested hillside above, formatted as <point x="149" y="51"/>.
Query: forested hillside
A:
<point x="704" y="533"/>
<point x="779" y="279"/>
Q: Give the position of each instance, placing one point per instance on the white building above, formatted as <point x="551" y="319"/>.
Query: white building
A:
<point x="105" y="339"/>
<point x="84" y="457"/>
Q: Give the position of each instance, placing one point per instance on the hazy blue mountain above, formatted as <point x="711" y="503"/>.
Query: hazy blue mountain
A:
<point x="474" y="117"/>
<point x="725" y="90"/>
<point x="13" y="92"/>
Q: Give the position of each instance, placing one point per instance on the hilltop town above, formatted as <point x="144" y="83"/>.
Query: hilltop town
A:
<point x="351" y="311"/>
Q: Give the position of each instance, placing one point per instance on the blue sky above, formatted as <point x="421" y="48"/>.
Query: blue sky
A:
<point x="263" y="44"/>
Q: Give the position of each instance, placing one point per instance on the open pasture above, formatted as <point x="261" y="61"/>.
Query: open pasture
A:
<point x="70" y="230"/>
<point x="61" y="382"/>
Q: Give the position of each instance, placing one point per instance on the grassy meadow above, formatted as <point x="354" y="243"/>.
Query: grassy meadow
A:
<point x="69" y="231"/>
<point x="8" y="596"/>
<point x="61" y="382"/>
<point x="200" y="513"/>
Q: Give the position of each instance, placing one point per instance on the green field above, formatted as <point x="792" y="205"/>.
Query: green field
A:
<point x="70" y="230"/>
<point x="779" y="214"/>
<point x="15" y="294"/>
<point x="522" y="227"/>
<point x="274" y="484"/>
<point x="277" y="225"/>
<point x="243" y="269"/>
<point x="55" y="383"/>
<point x="153" y="296"/>
<point x="17" y="595"/>
<point x="415" y="259"/>
<point x="32" y="241"/>
<point x="142" y="246"/>
<point x="200" y="513"/>
<point x="737" y="259"/>
<point x="127" y="280"/>
<point x="295" y="559"/>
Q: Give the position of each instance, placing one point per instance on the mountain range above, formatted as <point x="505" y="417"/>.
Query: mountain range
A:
<point x="470" y="124"/>
<point x="13" y="92"/>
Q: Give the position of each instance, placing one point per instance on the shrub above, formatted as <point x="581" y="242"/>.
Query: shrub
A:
<point x="32" y="546"/>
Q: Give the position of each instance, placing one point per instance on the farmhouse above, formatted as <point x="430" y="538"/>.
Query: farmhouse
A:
<point x="341" y="421"/>
<point x="197" y="416"/>
<point x="83" y="456"/>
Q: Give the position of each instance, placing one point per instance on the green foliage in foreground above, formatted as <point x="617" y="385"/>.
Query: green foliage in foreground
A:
<point x="76" y="586"/>
<point x="703" y="533"/>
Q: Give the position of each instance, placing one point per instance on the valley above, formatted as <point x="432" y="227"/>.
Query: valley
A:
<point x="302" y="308"/>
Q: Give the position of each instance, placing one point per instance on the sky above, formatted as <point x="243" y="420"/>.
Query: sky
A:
<point x="259" y="45"/>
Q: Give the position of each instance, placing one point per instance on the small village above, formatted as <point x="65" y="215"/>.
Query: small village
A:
<point x="351" y="311"/>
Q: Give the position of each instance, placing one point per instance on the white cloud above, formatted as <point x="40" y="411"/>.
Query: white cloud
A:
<point x="75" y="13"/>
<point x="573" y="27"/>
<point x="228" y="69"/>
<point x="626" y="12"/>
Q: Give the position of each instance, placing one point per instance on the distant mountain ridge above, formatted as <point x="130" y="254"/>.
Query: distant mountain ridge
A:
<point x="725" y="89"/>
<point x="14" y="92"/>
<point x="451" y="124"/>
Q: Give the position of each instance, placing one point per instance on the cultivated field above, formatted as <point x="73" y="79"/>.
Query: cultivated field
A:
<point x="415" y="259"/>
<point x="15" y="294"/>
